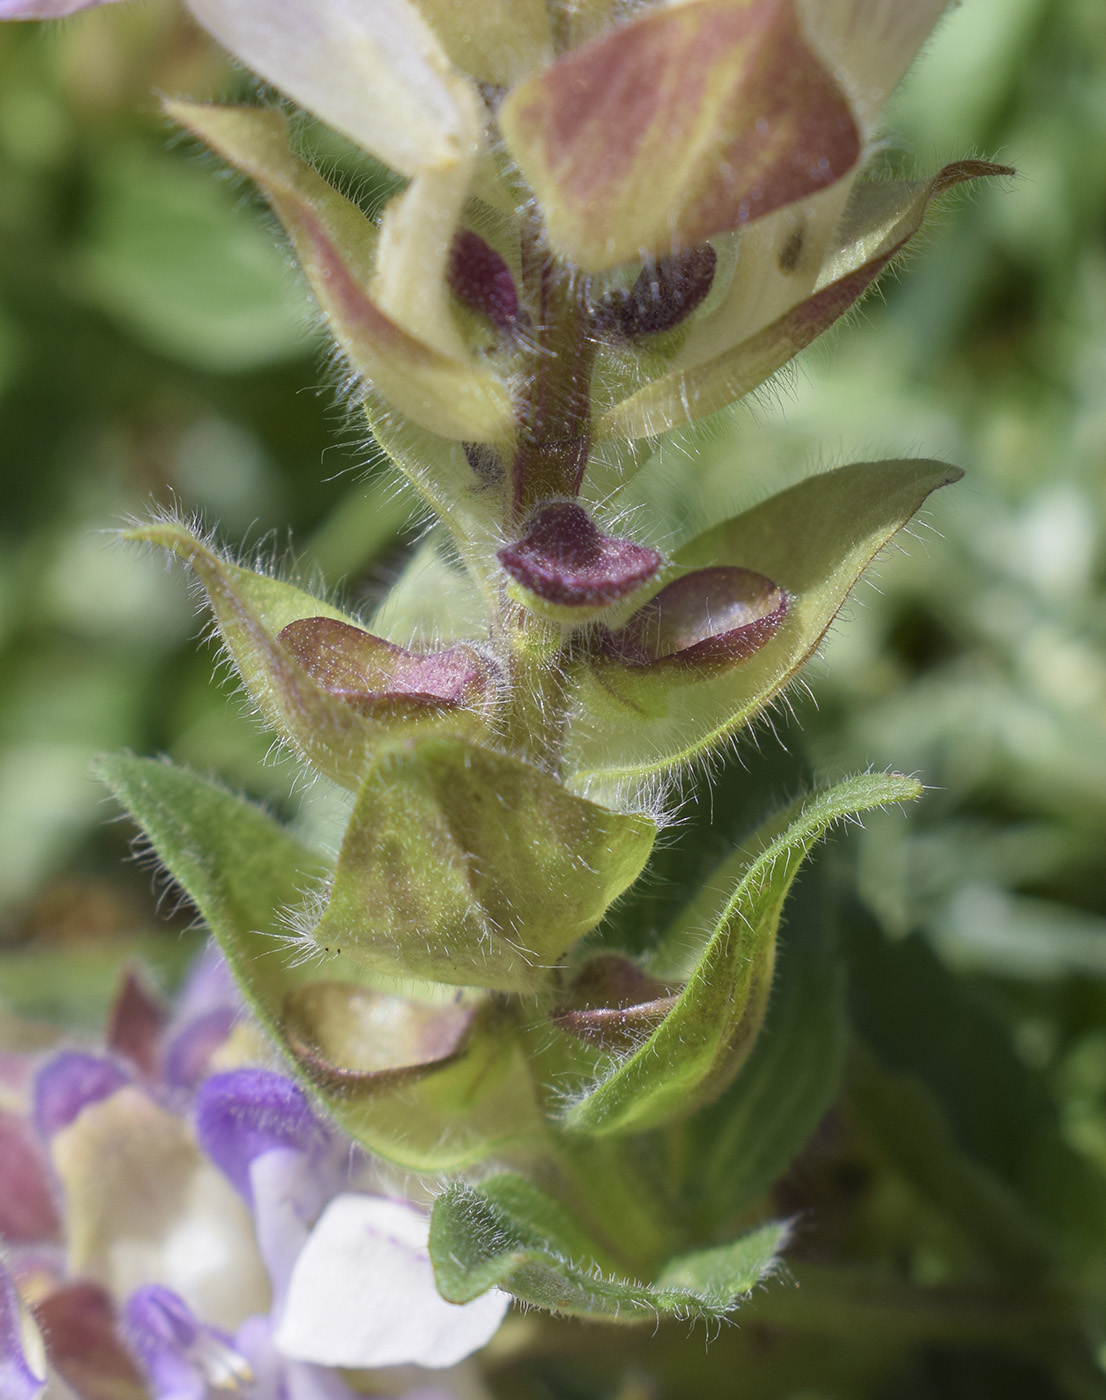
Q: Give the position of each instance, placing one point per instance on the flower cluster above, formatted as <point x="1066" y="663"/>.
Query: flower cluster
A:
<point x="176" y="1223"/>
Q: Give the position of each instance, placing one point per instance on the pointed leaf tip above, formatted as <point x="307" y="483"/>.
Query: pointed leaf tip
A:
<point x="699" y="1046"/>
<point x="508" y="1233"/>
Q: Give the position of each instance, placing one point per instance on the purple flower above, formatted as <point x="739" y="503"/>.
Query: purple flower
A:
<point x="217" y="1239"/>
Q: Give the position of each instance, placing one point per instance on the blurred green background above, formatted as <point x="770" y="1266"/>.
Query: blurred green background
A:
<point x="156" y="348"/>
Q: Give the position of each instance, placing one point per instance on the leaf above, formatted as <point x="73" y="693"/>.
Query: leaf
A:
<point x="243" y="870"/>
<point x="463" y="865"/>
<point x="509" y="1234"/>
<point x="238" y="866"/>
<point x="512" y="38"/>
<point x="337" y="249"/>
<point x="727" y="355"/>
<point x="330" y="731"/>
<point x="440" y="472"/>
<point x="752" y="1133"/>
<point x="938" y="1082"/>
<point x="813" y="541"/>
<point x="710" y="1031"/>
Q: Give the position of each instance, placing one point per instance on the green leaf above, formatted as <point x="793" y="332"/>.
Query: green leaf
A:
<point x="169" y="255"/>
<point x="939" y="1084"/>
<point x="250" y="610"/>
<point x="440" y="472"/>
<point x="243" y="871"/>
<point x="463" y="865"/>
<point x="507" y="1233"/>
<point x="701" y="1044"/>
<point x="238" y="865"/>
<point x="747" y="1139"/>
<point x="814" y="541"/>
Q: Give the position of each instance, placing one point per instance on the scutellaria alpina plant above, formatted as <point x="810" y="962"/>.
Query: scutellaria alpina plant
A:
<point x="618" y="221"/>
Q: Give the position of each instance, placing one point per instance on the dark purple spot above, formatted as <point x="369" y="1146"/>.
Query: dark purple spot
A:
<point x="481" y="279"/>
<point x="664" y="293"/>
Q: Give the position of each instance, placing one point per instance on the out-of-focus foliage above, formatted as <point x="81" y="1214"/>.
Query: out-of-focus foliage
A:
<point x="150" y="348"/>
<point x="156" y="346"/>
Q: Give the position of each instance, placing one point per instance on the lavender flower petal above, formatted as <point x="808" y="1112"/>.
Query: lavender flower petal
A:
<point x="363" y="1293"/>
<point x="182" y="1358"/>
<point x="188" y="1053"/>
<point x="70" y="1082"/>
<point x="45" y="9"/>
<point x="246" y="1112"/>
<point x="18" y="1380"/>
<point x="279" y="1376"/>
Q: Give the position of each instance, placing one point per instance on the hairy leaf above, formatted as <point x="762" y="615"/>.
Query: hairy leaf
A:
<point x="339" y="250"/>
<point x="710" y="1031"/>
<point x="509" y="1234"/>
<point x="688" y="121"/>
<point x="813" y="541"/>
<point x="465" y="866"/>
<point x="737" y="1150"/>
<point x="242" y="870"/>
<point x="329" y="729"/>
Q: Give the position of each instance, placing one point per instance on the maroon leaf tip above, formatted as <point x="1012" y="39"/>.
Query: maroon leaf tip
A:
<point x="378" y="677"/>
<point x="613" y="1004"/>
<point x="137" y="1018"/>
<point x="708" y="619"/>
<point x="565" y="559"/>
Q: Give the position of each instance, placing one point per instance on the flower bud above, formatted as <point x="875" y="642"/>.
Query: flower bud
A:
<point x="564" y="559"/>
